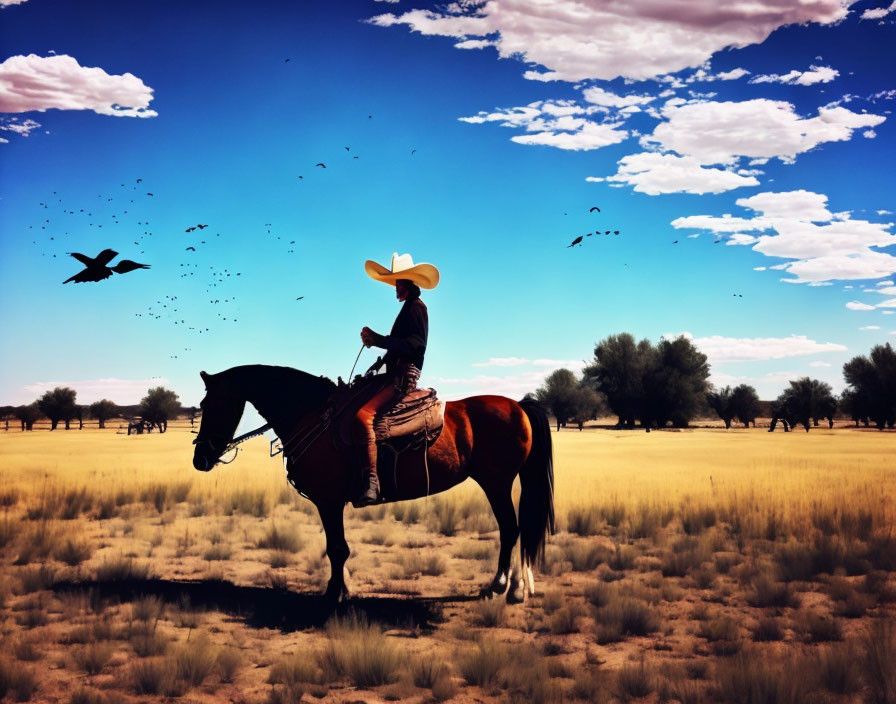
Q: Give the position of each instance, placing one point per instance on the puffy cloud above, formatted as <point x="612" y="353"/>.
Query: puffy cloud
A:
<point x="870" y="327"/>
<point x="722" y="132"/>
<point x="803" y="229"/>
<point x="599" y="96"/>
<point x="889" y="290"/>
<point x="561" y="36"/>
<point x="819" y="363"/>
<point x="42" y="82"/>
<point x="6" y="3"/>
<point x="121" y="391"/>
<point x="653" y="173"/>
<point x="877" y="12"/>
<point x="721" y="349"/>
<point x="858" y="305"/>
<point x="889" y="303"/>
<point x="12" y="124"/>
<point x="732" y="75"/>
<point x="815" y="74"/>
<point x="555" y="123"/>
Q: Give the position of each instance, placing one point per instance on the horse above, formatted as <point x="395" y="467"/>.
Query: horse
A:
<point x="490" y="439"/>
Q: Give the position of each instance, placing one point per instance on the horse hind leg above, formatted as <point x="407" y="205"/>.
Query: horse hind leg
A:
<point x="507" y="580"/>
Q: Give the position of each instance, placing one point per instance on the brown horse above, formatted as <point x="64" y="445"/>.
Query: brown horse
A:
<point x="491" y="439"/>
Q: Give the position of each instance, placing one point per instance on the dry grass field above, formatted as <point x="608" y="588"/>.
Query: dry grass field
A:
<point x="695" y="566"/>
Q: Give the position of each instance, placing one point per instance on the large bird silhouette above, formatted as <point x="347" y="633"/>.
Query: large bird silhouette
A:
<point x="97" y="269"/>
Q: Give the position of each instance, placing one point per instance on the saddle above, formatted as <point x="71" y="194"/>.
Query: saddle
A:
<point x="413" y="423"/>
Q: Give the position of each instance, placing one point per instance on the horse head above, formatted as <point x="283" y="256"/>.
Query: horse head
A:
<point x="222" y="409"/>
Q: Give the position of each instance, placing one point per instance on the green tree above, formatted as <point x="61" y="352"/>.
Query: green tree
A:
<point x="586" y="404"/>
<point x="59" y="405"/>
<point x="872" y="386"/>
<point x="26" y="415"/>
<point x="722" y="403"/>
<point x="159" y="406"/>
<point x="804" y="401"/>
<point x="618" y="373"/>
<point x="103" y="410"/>
<point x="745" y="404"/>
<point x="675" y="384"/>
<point x="558" y="394"/>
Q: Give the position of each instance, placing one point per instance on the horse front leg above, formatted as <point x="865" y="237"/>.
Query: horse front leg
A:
<point x="337" y="550"/>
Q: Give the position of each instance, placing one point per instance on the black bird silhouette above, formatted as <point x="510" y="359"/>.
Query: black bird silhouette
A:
<point x="615" y="232"/>
<point x="717" y="241"/>
<point x="202" y="227"/>
<point x="139" y="180"/>
<point x="299" y="298"/>
<point x="413" y="151"/>
<point x="189" y="229"/>
<point x="190" y="249"/>
<point x="287" y="61"/>
<point x="593" y="209"/>
<point x="576" y="241"/>
<point x="320" y="164"/>
<point x="97" y="269"/>
<point x="346" y="149"/>
<point x="149" y="194"/>
<point x="675" y="242"/>
<point x="126" y="265"/>
<point x="300" y="177"/>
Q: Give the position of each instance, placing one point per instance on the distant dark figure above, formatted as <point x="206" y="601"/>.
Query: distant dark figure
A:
<point x="576" y="241"/>
<point x="126" y="265"/>
<point x="593" y="209"/>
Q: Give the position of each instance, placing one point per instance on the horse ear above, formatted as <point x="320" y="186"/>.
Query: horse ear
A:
<point x="204" y="376"/>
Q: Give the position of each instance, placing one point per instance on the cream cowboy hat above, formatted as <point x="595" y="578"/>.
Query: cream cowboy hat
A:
<point x="403" y="267"/>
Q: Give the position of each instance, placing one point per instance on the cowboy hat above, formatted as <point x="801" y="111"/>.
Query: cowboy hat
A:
<point x="403" y="267"/>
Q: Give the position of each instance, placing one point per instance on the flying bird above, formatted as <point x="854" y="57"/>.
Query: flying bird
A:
<point x="413" y="151"/>
<point x="287" y="61"/>
<point x="321" y="164"/>
<point x="615" y="232"/>
<point x="149" y="194"/>
<point x="202" y="227"/>
<point x="126" y="265"/>
<point x="190" y="249"/>
<point x="576" y="241"/>
<point x="675" y="242"/>
<point x="299" y="298"/>
<point x="189" y="229"/>
<point x="593" y="209"/>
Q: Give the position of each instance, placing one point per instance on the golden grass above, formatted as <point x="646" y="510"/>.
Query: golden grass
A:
<point x="777" y="542"/>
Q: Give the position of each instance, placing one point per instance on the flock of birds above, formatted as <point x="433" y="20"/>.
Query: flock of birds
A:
<point x="578" y="240"/>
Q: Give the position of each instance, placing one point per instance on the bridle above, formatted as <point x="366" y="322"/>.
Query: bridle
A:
<point x="232" y="445"/>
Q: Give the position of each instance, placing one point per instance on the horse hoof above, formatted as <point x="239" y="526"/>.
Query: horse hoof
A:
<point x="517" y="593"/>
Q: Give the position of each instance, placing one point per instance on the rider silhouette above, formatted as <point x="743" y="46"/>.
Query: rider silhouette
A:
<point x="405" y="347"/>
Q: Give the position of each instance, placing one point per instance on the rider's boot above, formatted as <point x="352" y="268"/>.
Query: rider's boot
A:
<point x="371" y="494"/>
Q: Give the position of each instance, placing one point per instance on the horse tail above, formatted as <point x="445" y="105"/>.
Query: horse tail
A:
<point x="536" y="513"/>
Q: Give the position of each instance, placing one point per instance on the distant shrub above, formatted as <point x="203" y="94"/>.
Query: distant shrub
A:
<point x="279" y="539"/>
<point x="583" y="520"/>
<point x="361" y="652"/>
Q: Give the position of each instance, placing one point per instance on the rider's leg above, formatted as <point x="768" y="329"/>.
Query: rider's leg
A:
<point x="366" y="442"/>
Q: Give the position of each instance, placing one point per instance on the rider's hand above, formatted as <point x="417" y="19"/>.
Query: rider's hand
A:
<point x="367" y="336"/>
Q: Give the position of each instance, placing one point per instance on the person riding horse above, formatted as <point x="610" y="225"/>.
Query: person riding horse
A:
<point x="405" y="348"/>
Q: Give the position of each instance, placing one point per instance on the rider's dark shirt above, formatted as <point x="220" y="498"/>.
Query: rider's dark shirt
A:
<point x="406" y="343"/>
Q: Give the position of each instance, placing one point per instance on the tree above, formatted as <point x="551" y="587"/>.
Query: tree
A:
<point x="586" y="404"/>
<point x="618" y="373"/>
<point x="722" y="403"/>
<point x="806" y="399"/>
<point x="159" y="406"/>
<point x="103" y="411"/>
<point x="58" y="404"/>
<point x="675" y="384"/>
<point x="745" y="404"/>
<point x="26" y="415"/>
<point x="558" y="394"/>
<point x="872" y="386"/>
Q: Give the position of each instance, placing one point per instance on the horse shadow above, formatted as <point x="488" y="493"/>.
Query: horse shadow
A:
<point x="269" y="607"/>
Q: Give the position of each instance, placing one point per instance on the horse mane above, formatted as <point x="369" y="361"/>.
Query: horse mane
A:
<point x="278" y="390"/>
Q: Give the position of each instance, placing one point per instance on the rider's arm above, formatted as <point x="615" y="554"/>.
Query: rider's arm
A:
<point x="410" y="339"/>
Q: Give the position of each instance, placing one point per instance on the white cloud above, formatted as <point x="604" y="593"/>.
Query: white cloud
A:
<point x="732" y="75"/>
<point x="870" y="327"/>
<point x="121" y="391"/>
<point x="884" y="212"/>
<point x="815" y="74"/>
<point x="739" y="238"/>
<point x="819" y="363"/>
<point x="720" y="349"/>
<point x="803" y="229"/>
<point x="599" y="96"/>
<point x="591" y="39"/>
<point x="887" y="290"/>
<point x="512" y="385"/>
<point x="585" y="136"/>
<point x="43" y="82"/>
<point x="889" y="303"/>
<point x="877" y="12"/>
<point x="858" y="305"/>
<point x="869" y="134"/>
<point x="722" y="132"/>
<point x="6" y="3"/>
<point x="652" y="173"/>
<point x="12" y="124"/>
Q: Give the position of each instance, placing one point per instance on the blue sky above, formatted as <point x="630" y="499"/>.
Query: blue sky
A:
<point x="757" y="137"/>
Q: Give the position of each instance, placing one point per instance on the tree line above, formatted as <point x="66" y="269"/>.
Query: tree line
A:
<point x="667" y="383"/>
<point x="60" y="406"/>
